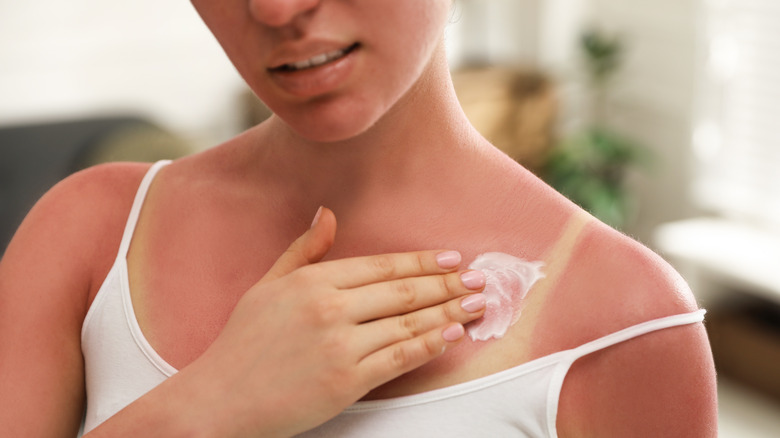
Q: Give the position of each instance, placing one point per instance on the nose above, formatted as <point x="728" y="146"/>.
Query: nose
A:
<point x="278" y="13"/>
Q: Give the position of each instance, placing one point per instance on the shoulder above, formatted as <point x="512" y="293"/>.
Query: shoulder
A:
<point x="658" y="384"/>
<point x="78" y="192"/>
<point x="77" y="225"/>
<point x="608" y="282"/>
<point x="625" y="279"/>
<point x="78" y="202"/>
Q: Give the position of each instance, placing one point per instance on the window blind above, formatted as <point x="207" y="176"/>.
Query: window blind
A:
<point x="737" y="137"/>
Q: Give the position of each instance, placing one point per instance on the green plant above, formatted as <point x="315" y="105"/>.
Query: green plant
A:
<point x="589" y="166"/>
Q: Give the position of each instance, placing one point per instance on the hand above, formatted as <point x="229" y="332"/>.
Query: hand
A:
<point x="312" y="338"/>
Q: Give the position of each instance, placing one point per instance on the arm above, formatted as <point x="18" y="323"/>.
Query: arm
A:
<point x="45" y="278"/>
<point x="660" y="384"/>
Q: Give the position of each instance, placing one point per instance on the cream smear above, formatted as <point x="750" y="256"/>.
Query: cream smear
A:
<point x="508" y="281"/>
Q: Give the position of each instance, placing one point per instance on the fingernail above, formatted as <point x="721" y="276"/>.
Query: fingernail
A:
<point x="316" y="217"/>
<point x="453" y="333"/>
<point x="448" y="259"/>
<point x="473" y="279"/>
<point x="474" y="303"/>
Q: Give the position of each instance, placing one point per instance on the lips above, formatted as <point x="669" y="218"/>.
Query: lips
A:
<point x="315" y="61"/>
<point x="314" y="70"/>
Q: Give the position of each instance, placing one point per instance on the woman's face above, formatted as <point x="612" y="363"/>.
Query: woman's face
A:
<point x="329" y="68"/>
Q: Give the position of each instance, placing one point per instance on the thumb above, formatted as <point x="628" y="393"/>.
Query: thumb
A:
<point x="310" y="248"/>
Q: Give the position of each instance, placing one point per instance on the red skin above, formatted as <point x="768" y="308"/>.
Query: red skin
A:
<point x="417" y="176"/>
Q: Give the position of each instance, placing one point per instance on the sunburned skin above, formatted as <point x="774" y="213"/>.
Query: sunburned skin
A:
<point x="508" y="281"/>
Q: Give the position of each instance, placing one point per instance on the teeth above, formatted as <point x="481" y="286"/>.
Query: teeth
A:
<point x="317" y="60"/>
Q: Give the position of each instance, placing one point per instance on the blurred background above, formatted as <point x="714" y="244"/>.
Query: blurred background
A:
<point x="657" y="116"/>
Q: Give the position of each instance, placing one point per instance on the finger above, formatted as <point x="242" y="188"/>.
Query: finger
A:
<point x="402" y="357"/>
<point x="310" y="248"/>
<point x="378" y="334"/>
<point x="359" y="271"/>
<point x="397" y="297"/>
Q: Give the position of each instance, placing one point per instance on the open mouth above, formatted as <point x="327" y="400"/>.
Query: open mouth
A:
<point x="316" y="61"/>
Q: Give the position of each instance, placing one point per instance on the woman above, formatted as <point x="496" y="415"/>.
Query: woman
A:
<point x="223" y="339"/>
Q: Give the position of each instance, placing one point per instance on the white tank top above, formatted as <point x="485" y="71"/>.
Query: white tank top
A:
<point x="121" y="366"/>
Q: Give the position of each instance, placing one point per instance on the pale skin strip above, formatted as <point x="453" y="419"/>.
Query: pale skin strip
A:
<point x="556" y="260"/>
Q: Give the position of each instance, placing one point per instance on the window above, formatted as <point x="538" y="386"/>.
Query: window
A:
<point x="737" y="137"/>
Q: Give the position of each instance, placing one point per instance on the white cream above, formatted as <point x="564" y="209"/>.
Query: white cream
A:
<point x="508" y="281"/>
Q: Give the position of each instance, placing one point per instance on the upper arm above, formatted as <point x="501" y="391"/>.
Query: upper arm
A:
<point x="45" y="279"/>
<point x="658" y="384"/>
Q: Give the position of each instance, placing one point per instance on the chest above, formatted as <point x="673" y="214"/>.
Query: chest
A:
<point x="189" y="266"/>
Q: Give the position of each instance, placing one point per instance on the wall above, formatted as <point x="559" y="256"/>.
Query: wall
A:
<point x="494" y="31"/>
<point x="514" y="32"/>
<point x="653" y="100"/>
<point x="82" y="57"/>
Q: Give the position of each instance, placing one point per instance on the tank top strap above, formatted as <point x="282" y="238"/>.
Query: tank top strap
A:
<point x="556" y="381"/>
<point x="138" y="203"/>
<point x="637" y="330"/>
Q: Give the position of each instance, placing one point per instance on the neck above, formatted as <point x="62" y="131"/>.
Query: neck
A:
<point x="421" y="138"/>
<point x="419" y="177"/>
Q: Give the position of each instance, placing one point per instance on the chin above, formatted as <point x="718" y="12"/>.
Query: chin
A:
<point x="330" y="125"/>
